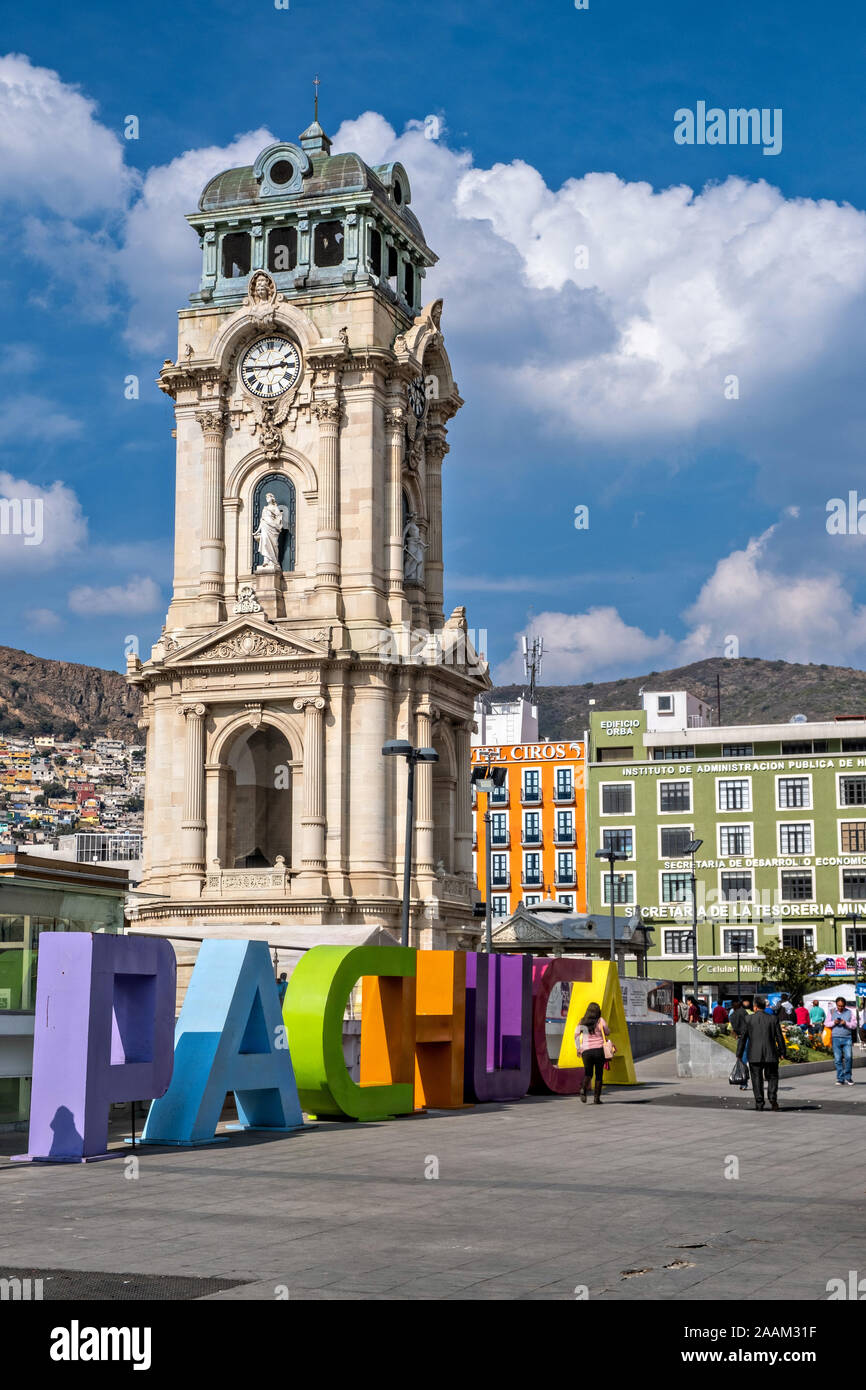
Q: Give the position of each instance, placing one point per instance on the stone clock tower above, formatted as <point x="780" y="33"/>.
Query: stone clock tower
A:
<point x="312" y="395"/>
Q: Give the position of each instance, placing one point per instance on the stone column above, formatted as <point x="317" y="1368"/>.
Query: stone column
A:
<point x="370" y="827"/>
<point x="395" y="427"/>
<point x="463" y="808"/>
<point x="313" y="819"/>
<point x="212" y="563"/>
<point x="435" y="450"/>
<point x="192" y="865"/>
<point x="424" y="716"/>
<point x="329" y="413"/>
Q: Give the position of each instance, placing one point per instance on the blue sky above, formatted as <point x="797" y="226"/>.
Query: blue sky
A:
<point x="602" y="383"/>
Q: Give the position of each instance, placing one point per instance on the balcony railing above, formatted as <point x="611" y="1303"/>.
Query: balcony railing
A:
<point x="568" y="880"/>
<point x="564" y="840"/>
<point x="531" y="837"/>
<point x="563" y="797"/>
<point x="530" y="798"/>
<point x="500" y="881"/>
<point x="531" y="881"/>
<point x="500" y="841"/>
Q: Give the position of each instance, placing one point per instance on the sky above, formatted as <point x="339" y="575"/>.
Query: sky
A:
<point x="659" y="343"/>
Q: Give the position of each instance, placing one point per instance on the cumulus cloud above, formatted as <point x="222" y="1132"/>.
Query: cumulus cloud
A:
<point x="31" y="417"/>
<point x="768" y="611"/>
<point x="40" y="527"/>
<point x="140" y="595"/>
<point x="43" y="618"/>
<point x="53" y="149"/>
<point x="160" y="261"/>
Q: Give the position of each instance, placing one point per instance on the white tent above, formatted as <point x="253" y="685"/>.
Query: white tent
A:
<point x="828" y="994"/>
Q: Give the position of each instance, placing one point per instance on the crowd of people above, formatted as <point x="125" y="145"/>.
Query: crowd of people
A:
<point x="761" y="1041"/>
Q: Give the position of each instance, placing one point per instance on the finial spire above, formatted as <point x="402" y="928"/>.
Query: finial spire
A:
<point x="316" y="84"/>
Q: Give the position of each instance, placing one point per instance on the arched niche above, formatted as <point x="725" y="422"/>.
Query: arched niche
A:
<point x="282" y="489"/>
<point x="257" y="796"/>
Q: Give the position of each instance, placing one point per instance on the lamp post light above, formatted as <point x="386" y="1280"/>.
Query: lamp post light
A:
<point x="692" y="848"/>
<point x="612" y="855"/>
<point x="401" y="748"/>
<point x="486" y="780"/>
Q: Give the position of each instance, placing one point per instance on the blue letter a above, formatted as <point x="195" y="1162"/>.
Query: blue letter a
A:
<point x="229" y="1037"/>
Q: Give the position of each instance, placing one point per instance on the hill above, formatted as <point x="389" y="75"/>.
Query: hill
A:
<point x="38" y="696"/>
<point x="753" y="692"/>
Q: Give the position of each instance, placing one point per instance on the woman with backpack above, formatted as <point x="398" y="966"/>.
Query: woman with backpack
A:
<point x="595" y="1048"/>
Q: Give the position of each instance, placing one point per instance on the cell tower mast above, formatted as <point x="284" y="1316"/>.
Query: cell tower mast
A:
<point x="533" y="656"/>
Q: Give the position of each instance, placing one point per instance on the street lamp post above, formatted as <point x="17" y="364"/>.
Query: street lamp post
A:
<point x="486" y="779"/>
<point x="400" y="747"/>
<point x="612" y="855"/>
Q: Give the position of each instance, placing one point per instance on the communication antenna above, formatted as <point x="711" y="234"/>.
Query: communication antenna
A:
<point x="533" y="656"/>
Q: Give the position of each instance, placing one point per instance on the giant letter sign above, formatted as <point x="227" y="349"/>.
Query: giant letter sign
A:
<point x="229" y="1037"/>
<point x="604" y="990"/>
<point x="440" y="1029"/>
<point x="102" y="1033"/>
<point x="498" y="1026"/>
<point x="546" y="1075"/>
<point x="313" y="1011"/>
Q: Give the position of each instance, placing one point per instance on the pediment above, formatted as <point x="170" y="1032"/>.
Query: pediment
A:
<point x="522" y="929"/>
<point x="246" y="639"/>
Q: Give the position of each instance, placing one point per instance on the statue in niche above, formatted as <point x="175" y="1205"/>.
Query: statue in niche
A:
<point x="262" y="299"/>
<point x="270" y="528"/>
<point x="413" y="552"/>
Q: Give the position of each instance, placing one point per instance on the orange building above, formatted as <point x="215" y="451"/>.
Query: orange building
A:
<point x="537" y="826"/>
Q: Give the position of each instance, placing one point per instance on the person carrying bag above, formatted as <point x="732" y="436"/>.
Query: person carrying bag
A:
<point x="596" y="1050"/>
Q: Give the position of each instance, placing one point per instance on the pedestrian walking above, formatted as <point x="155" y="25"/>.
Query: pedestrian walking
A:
<point x="766" y="1042"/>
<point x="595" y="1048"/>
<point x="720" y="1014"/>
<point x="842" y="1022"/>
<point x="802" y="1015"/>
<point x="694" y="1011"/>
<point x="738" y="1020"/>
<point x="785" y="1010"/>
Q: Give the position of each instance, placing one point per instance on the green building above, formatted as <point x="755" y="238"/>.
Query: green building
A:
<point x="781" y="812"/>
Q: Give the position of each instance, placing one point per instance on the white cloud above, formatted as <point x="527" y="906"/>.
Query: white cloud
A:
<point x="30" y="417"/>
<point x="160" y="261"/>
<point x="140" y="595"/>
<point x="52" y="516"/>
<point x="771" y="612"/>
<point x="44" y="618"/>
<point x="53" y="150"/>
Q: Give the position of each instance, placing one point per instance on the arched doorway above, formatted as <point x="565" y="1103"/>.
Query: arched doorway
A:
<point x="258" y="792"/>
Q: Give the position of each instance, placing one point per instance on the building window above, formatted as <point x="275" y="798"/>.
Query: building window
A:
<point x="532" y="827"/>
<point x="499" y="870"/>
<point x="499" y="828"/>
<point x="236" y="255"/>
<point x="735" y="794"/>
<point x="499" y="907"/>
<point x="676" y="888"/>
<point x="409" y="282"/>
<point x="850" y="944"/>
<point x="567" y="899"/>
<point x="735" y="840"/>
<point x="375" y="255"/>
<point x="675" y="796"/>
<point x="531" y="785"/>
<point x="328" y="244"/>
<point x="854" y="884"/>
<point x="623" y="888"/>
<point x="673" y="755"/>
<point x="854" y="836"/>
<point x="736" y="887"/>
<point x="620" y="840"/>
<point x="674" y="839"/>
<point x="392" y="264"/>
<point x="854" y="745"/>
<point x="282" y="248"/>
<point x="565" y="867"/>
<point x="564" y="784"/>
<point x="797" y="885"/>
<point x="499" y="795"/>
<point x="795" y="839"/>
<point x="665" y="704"/>
<point x="731" y="939"/>
<point x="532" y="900"/>
<point x="617" y="753"/>
<point x="853" y="791"/>
<point x="565" y="827"/>
<point x="616" y="800"/>
<point x="532" y="869"/>
<point x="678" y="943"/>
<point x="794" y="792"/>
<point x="798" y="938"/>
<point x="737" y="750"/>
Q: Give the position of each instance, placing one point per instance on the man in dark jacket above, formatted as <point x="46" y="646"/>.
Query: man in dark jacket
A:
<point x="766" y="1045"/>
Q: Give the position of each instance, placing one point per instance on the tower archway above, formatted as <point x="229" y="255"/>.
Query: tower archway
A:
<point x="257" y="788"/>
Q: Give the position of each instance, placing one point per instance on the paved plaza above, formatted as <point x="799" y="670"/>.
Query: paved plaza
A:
<point x="533" y="1200"/>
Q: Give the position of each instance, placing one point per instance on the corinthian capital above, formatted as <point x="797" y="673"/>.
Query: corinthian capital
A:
<point x="212" y="420"/>
<point x="328" y="412"/>
<point x="395" y="419"/>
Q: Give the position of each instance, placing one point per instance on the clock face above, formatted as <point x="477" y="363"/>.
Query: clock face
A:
<point x="418" y="396"/>
<point x="270" y="367"/>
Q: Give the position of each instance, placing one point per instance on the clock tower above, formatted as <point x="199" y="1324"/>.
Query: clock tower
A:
<point x="312" y="394"/>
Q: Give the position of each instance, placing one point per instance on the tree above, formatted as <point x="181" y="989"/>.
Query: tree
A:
<point x="797" y="970"/>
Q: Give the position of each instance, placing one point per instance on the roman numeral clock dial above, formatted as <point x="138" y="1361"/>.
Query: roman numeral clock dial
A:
<point x="270" y="367"/>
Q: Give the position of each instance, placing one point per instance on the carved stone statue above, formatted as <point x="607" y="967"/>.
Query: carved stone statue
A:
<point x="262" y="298"/>
<point x="413" y="553"/>
<point x="268" y="534"/>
